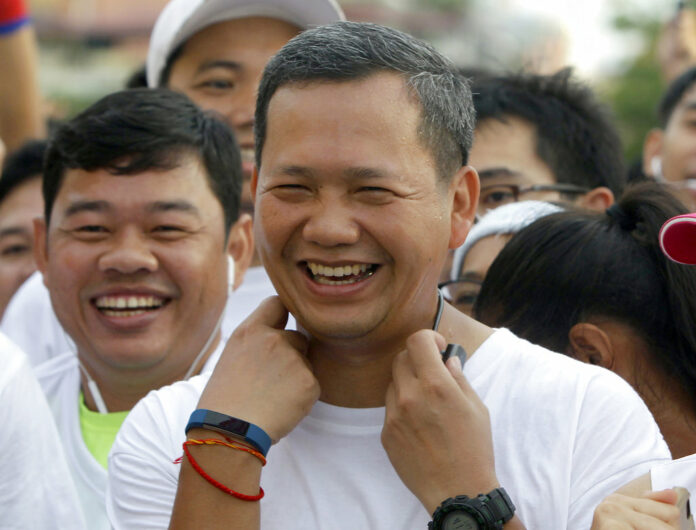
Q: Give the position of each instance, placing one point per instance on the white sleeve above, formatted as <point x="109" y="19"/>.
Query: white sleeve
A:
<point x="681" y="473"/>
<point x="143" y="477"/>
<point x="36" y="488"/>
<point x="617" y="441"/>
<point x="30" y="322"/>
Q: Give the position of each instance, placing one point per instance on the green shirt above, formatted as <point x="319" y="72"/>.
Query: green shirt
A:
<point x="99" y="430"/>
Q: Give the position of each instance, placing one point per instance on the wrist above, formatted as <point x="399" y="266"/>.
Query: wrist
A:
<point x="488" y="511"/>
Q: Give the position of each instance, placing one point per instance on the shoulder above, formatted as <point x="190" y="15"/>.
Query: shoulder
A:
<point x="159" y="419"/>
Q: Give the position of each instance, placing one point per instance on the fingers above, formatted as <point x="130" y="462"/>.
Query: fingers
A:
<point x="271" y="312"/>
<point x="620" y="511"/>
<point x="665" y="496"/>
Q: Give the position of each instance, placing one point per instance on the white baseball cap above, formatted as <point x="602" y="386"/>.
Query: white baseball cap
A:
<point x="180" y="19"/>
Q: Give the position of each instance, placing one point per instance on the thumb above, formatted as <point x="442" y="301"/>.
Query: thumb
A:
<point x="271" y="312"/>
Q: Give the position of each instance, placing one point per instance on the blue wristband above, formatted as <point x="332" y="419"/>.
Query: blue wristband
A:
<point x="222" y="423"/>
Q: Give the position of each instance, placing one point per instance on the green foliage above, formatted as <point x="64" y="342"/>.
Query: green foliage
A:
<point x="634" y="94"/>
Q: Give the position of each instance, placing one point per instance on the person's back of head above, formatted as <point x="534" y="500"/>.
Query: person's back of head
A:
<point x="349" y="51"/>
<point x="577" y="266"/>
<point x="575" y="134"/>
<point x="132" y="131"/>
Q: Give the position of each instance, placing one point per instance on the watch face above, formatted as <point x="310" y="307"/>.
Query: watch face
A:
<point x="459" y="521"/>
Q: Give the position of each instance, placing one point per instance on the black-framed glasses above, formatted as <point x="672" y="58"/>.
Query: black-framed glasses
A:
<point x="461" y="293"/>
<point x="500" y="194"/>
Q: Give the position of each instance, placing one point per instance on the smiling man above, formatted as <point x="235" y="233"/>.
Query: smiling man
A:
<point x="362" y="139"/>
<point x="141" y="221"/>
<point x="214" y="52"/>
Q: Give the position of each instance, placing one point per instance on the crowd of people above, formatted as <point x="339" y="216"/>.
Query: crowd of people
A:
<point x="307" y="273"/>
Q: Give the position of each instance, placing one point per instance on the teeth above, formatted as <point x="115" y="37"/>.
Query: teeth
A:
<point x="111" y="313"/>
<point x="140" y="303"/>
<point x="326" y="275"/>
<point x="247" y="154"/>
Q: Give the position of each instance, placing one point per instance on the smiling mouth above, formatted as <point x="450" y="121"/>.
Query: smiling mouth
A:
<point x="341" y="274"/>
<point x="128" y="305"/>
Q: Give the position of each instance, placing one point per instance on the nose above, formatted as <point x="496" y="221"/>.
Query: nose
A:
<point x="241" y="111"/>
<point x="331" y="224"/>
<point x="128" y="253"/>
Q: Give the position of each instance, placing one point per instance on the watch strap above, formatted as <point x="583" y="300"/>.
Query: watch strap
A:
<point x="222" y="423"/>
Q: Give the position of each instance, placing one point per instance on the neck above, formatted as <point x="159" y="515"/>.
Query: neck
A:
<point x="121" y="389"/>
<point x="674" y="414"/>
<point x="357" y="374"/>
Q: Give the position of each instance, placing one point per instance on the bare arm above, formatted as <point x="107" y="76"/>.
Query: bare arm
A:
<point x="262" y="377"/>
<point x="20" y="104"/>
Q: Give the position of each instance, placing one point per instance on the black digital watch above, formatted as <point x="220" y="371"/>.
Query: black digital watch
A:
<point x="483" y="512"/>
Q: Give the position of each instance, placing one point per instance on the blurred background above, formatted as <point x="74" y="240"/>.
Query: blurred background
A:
<point x="90" y="47"/>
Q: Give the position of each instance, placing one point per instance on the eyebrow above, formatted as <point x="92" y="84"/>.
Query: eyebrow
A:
<point x="87" y="206"/>
<point x="498" y="172"/>
<point x="471" y="276"/>
<point x="218" y="63"/>
<point x="13" y="231"/>
<point x="177" y="206"/>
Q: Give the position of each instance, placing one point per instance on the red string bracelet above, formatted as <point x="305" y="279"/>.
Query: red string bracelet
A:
<point x="211" y="480"/>
<point x="228" y="443"/>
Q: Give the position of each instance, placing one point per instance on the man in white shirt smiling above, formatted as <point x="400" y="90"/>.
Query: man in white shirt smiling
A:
<point x="141" y="225"/>
<point x="362" y="138"/>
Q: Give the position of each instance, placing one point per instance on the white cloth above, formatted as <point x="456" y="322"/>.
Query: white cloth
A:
<point x="36" y="490"/>
<point x="681" y="472"/>
<point x="29" y="320"/>
<point x="565" y="436"/>
<point x="60" y="380"/>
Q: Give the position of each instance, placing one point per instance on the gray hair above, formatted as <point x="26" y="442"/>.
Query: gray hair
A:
<point x="347" y="51"/>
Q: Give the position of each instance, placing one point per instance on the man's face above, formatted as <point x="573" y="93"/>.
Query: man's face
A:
<point x="136" y="266"/>
<point x="219" y="69"/>
<point x="17" y="213"/>
<point x="351" y="222"/>
<point x="678" y="148"/>
<point x="504" y="154"/>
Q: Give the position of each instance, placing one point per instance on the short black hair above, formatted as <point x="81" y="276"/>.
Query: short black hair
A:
<point x="674" y="94"/>
<point x="142" y="129"/>
<point x="576" y="134"/>
<point x="571" y="266"/>
<point x="22" y="165"/>
<point x="347" y="51"/>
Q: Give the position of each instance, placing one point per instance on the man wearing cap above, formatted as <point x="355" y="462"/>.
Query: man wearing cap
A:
<point x="214" y="52"/>
<point x="362" y="141"/>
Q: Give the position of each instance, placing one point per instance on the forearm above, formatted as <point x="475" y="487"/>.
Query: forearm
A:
<point x="20" y="103"/>
<point x="199" y="504"/>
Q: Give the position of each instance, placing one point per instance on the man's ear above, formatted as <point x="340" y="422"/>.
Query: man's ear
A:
<point x="465" y="189"/>
<point x="590" y="344"/>
<point x="652" y="147"/>
<point x="597" y="199"/>
<point x="41" y="247"/>
<point x="240" y="245"/>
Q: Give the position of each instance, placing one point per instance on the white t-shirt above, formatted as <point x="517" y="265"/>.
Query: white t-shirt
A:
<point x="60" y="380"/>
<point x="29" y="320"/>
<point x="565" y="436"/>
<point x="681" y="472"/>
<point x="36" y="489"/>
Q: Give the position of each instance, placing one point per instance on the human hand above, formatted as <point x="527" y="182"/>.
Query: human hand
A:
<point x="654" y="510"/>
<point x="437" y="431"/>
<point x="263" y="376"/>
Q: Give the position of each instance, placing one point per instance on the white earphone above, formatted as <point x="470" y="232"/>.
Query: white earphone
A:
<point x="656" y="168"/>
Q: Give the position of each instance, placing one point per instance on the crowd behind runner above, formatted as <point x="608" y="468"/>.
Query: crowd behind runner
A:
<point x="328" y="405"/>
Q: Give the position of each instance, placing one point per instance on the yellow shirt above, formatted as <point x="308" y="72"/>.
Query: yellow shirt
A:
<point x="99" y="430"/>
